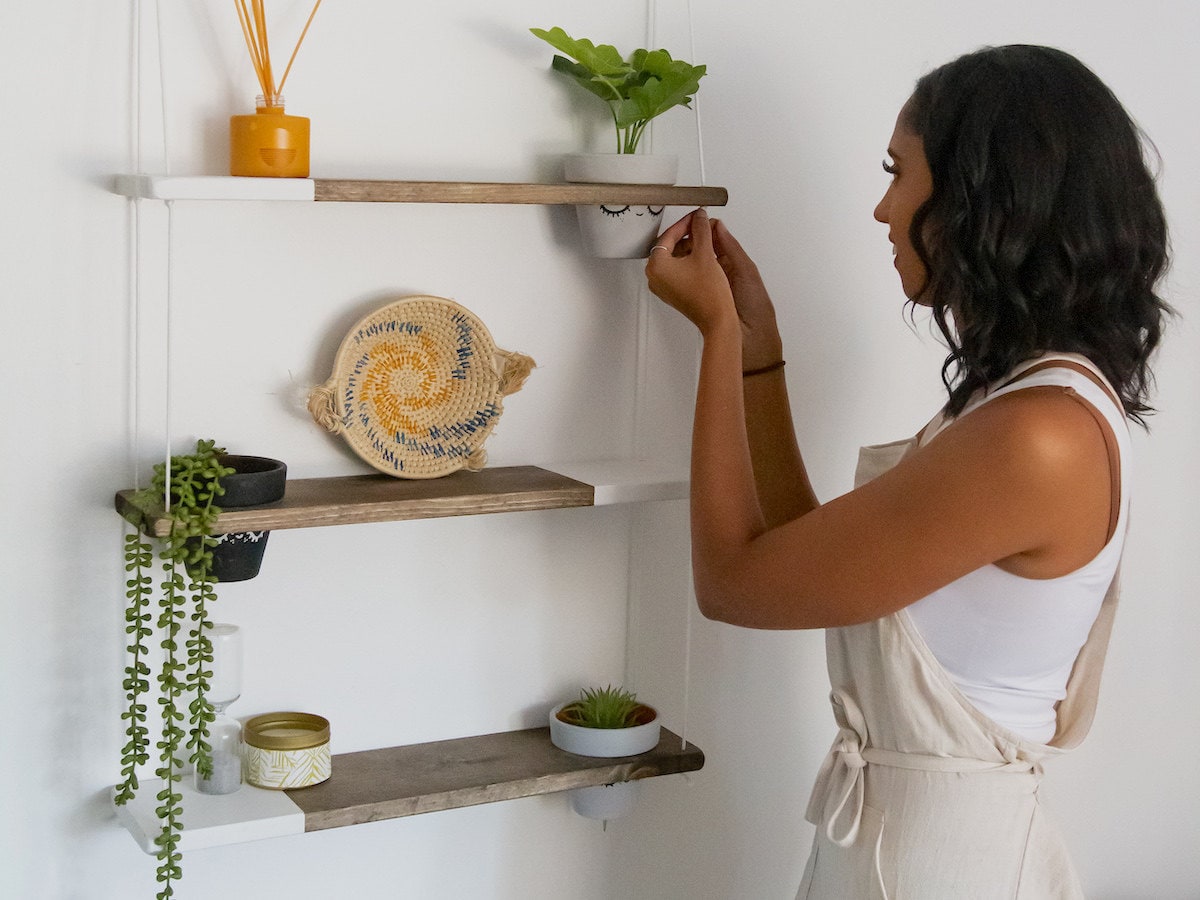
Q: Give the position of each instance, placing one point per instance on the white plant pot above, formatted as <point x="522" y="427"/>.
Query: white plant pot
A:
<point x="607" y="801"/>
<point x="603" y="742"/>
<point x="620" y="231"/>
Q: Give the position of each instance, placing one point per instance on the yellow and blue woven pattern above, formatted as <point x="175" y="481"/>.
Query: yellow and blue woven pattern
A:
<point x="417" y="388"/>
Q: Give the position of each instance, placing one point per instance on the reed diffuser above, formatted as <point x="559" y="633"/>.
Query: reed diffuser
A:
<point x="270" y="142"/>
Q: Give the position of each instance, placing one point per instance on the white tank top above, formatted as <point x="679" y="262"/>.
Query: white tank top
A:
<point x="1007" y="642"/>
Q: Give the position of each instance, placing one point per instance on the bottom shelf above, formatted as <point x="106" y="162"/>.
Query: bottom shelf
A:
<point x="373" y="785"/>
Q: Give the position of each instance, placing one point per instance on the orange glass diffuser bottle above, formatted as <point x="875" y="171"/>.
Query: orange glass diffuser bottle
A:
<point x="269" y="143"/>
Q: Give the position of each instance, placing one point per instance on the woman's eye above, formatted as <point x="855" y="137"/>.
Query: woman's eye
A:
<point x="613" y="211"/>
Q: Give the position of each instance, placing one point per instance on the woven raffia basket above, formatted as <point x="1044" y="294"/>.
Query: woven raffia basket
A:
<point x="417" y="387"/>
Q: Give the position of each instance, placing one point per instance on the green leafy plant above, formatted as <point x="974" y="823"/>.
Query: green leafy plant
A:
<point x="192" y="484"/>
<point x="637" y="88"/>
<point x="607" y="707"/>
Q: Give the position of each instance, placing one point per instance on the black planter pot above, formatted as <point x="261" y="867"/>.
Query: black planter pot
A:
<point x="257" y="480"/>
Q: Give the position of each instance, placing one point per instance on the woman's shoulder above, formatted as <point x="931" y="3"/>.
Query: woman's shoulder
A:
<point x="1042" y="424"/>
<point x="1038" y="457"/>
<point x="1040" y="390"/>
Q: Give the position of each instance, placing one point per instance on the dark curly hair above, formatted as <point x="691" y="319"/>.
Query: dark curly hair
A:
<point x="1044" y="231"/>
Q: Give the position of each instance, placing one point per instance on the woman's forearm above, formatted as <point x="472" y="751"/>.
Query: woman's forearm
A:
<point x="784" y="490"/>
<point x="725" y="512"/>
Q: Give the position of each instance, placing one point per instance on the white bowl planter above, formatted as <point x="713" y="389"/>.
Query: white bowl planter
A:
<point x="606" y="801"/>
<point x="620" y="231"/>
<point x="604" y="742"/>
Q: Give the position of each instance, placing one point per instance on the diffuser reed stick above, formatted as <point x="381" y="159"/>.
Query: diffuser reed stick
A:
<point x="269" y="143"/>
<point x="253" y="19"/>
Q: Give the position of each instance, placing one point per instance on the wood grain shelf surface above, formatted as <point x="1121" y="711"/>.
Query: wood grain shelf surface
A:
<point x="354" y="499"/>
<point x="394" y="782"/>
<point x="342" y="190"/>
<point x="404" y="781"/>
<point x="504" y="192"/>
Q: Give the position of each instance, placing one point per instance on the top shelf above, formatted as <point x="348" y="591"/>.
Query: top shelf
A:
<point x="333" y="190"/>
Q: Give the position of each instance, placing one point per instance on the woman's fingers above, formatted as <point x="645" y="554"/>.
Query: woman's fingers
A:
<point x="670" y="238"/>
<point x="701" y="230"/>
<point x="724" y="242"/>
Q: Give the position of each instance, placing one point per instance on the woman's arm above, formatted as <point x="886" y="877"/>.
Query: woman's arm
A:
<point x="724" y="502"/>
<point x="783" y="487"/>
<point x="1022" y="482"/>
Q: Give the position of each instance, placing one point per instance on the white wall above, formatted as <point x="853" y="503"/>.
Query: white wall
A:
<point x="415" y="631"/>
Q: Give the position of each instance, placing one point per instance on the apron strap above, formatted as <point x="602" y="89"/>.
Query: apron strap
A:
<point x="1077" y="710"/>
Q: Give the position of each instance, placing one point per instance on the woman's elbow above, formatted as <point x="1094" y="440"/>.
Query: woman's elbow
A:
<point x="720" y="602"/>
<point x="712" y="610"/>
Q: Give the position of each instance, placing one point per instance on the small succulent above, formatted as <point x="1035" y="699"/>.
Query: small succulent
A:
<point x="607" y="707"/>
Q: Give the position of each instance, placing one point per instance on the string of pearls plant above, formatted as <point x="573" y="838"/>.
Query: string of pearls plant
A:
<point x="186" y="591"/>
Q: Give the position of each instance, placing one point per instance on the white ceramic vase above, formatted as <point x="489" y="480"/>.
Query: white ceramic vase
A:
<point x="619" y="231"/>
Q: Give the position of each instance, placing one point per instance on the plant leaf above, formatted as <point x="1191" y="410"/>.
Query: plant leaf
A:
<point x="604" y="59"/>
<point x="605" y="87"/>
<point x="673" y="85"/>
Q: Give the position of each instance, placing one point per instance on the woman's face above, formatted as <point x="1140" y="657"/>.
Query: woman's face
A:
<point x="912" y="185"/>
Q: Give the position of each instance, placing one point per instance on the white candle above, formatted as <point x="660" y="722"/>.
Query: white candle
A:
<point x="226" y="683"/>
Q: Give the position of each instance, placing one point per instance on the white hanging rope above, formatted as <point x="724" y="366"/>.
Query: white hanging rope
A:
<point x="634" y="447"/>
<point x="696" y="99"/>
<point x="643" y="338"/>
<point x="137" y="96"/>
<point x="135" y="87"/>
<point x="134" y="262"/>
<point x="134" y="338"/>
<point x="688" y="615"/>
<point x="169" y="275"/>
<point x="162" y="88"/>
<point x="168" y="342"/>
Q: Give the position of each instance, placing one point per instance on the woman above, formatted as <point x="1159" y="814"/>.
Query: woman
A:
<point x="968" y="581"/>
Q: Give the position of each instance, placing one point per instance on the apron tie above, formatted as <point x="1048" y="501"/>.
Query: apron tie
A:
<point x="840" y="790"/>
<point x="841" y="775"/>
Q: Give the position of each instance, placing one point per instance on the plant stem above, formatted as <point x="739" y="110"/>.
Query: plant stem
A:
<point x="171" y="605"/>
<point x="136" y="751"/>
<point x="200" y="654"/>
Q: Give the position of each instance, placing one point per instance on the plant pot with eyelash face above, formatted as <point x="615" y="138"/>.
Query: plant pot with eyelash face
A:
<point x="620" y="231"/>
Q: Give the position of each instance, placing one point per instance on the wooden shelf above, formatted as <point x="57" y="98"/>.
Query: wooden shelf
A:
<point x="353" y="499"/>
<point x="332" y="190"/>
<point x="373" y="785"/>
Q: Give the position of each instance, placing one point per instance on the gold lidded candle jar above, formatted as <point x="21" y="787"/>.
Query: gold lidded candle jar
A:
<point x="286" y="750"/>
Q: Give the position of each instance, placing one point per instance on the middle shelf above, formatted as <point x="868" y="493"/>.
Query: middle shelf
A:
<point x="373" y="785"/>
<point x="353" y="499"/>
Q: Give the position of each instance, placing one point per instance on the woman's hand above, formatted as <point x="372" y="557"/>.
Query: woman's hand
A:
<point x="684" y="272"/>
<point x="761" y="344"/>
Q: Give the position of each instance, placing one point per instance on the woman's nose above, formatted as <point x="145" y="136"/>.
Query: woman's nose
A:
<point x="881" y="209"/>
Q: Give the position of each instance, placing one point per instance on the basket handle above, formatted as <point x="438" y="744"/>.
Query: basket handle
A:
<point x="321" y="407"/>
<point x="514" y="368"/>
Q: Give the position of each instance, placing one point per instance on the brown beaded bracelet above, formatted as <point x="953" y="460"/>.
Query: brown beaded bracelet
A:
<point x="765" y="369"/>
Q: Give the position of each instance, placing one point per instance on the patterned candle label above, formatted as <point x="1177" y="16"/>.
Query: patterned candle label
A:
<point x="280" y="769"/>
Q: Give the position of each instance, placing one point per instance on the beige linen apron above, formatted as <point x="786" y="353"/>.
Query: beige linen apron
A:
<point x="921" y="795"/>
